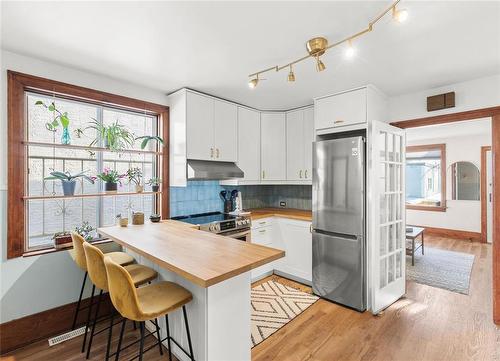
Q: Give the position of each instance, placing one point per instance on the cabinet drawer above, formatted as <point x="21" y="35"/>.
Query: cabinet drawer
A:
<point x="263" y="222"/>
<point x="262" y="236"/>
<point x="340" y="110"/>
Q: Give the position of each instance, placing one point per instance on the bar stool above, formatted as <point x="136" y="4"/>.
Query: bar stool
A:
<point x="97" y="272"/>
<point x="146" y="303"/>
<point x="78" y="255"/>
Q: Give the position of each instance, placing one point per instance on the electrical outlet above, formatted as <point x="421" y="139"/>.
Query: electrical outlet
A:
<point x="282" y="204"/>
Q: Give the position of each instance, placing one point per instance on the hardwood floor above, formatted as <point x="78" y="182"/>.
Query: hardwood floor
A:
<point x="428" y="324"/>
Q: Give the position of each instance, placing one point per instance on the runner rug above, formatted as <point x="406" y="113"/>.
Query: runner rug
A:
<point x="273" y="306"/>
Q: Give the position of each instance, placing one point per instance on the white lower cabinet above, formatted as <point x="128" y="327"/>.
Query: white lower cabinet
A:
<point x="292" y="236"/>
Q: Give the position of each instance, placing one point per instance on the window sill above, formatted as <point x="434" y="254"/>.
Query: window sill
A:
<point x="40" y="252"/>
<point x="427" y="208"/>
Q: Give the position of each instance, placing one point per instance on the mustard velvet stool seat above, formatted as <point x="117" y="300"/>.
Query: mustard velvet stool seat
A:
<point x="97" y="272"/>
<point x="146" y="303"/>
<point x="78" y="255"/>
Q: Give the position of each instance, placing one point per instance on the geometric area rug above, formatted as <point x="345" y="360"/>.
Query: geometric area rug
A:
<point x="273" y="306"/>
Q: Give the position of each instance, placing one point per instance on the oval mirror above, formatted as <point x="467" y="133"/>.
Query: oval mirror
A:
<point x="465" y="181"/>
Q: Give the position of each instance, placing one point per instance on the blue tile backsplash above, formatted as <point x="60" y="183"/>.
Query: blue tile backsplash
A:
<point x="197" y="197"/>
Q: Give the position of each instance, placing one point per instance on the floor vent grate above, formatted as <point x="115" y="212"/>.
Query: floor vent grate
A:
<point x="66" y="336"/>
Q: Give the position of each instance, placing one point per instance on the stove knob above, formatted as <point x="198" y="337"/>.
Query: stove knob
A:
<point x="211" y="228"/>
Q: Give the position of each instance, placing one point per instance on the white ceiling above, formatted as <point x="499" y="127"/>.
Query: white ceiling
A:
<point x="213" y="46"/>
<point x="450" y="130"/>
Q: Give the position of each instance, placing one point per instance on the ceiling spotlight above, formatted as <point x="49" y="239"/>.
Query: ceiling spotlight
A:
<point x="319" y="64"/>
<point x="253" y="83"/>
<point x="399" y="15"/>
<point x="291" y="75"/>
<point x="349" y="51"/>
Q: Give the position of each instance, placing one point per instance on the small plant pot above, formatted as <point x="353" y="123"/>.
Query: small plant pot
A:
<point x="155" y="188"/>
<point x="68" y="187"/>
<point x="139" y="188"/>
<point x="63" y="241"/>
<point x="110" y="187"/>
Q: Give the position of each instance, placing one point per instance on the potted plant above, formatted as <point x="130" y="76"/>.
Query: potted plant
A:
<point x="85" y="230"/>
<point x="115" y="136"/>
<point x="154" y="183"/>
<point x="62" y="239"/>
<point x="147" y="138"/>
<point x="134" y="176"/>
<point x="111" y="178"/>
<point x="59" y="118"/>
<point x="68" y="180"/>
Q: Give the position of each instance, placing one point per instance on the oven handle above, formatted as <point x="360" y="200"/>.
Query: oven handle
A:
<point x="235" y="235"/>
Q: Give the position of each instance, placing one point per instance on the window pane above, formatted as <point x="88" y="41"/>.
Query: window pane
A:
<point x="423" y="178"/>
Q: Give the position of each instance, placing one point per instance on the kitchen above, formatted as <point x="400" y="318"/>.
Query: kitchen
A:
<point x="258" y="222"/>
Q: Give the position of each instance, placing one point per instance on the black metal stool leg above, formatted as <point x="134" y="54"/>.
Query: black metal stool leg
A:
<point x="135" y="325"/>
<point x="118" y="349"/>
<point x="168" y="339"/>
<point x="141" y="348"/>
<point x="108" y="346"/>
<point x="188" y="334"/>
<point x="158" y="335"/>
<point x="79" y="302"/>
<point x="93" y="324"/>
<point x="88" y="318"/>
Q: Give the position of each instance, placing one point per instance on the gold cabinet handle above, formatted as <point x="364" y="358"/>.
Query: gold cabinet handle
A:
<point x="263" y="222"/>
<point x="217" y="152"/>
<point x="311" y="228"/>
<point x="300" y="173"/>
<point x="263" y="174"/>
<point x="306" y="173"/>
<point x="338" y="121"/>
<point x="211" y="152"/>
<point x="262" y="231"/>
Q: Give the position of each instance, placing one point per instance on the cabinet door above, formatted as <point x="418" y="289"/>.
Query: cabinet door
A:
<point x="249" y="143"/>
<point x="262" y="236"/>
<point x="341" y="109"/>
<point x="308" y="140"/>
<point x="297" y="238"/>
<point x="225" y="131"/>
<point x="273" y="146"/>
<point x="200" y="127"/>
<point x="295" y="169"/>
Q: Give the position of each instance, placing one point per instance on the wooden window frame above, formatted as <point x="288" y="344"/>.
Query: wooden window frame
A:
<point x="442" y="149"/>
<point x="17" y="85"/>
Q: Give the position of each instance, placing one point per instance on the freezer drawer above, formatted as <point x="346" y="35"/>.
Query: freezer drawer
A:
<point x="338" y="185"/>
<point x="339" y="269"/>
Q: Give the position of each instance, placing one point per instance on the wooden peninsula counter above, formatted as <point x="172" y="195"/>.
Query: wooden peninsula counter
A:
<point x="214" y="268"/>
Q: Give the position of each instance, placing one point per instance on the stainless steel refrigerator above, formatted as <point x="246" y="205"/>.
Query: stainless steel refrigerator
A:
<point x="339" y="242"/>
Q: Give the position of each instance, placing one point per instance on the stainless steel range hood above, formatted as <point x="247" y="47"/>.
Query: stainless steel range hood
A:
<point x="209" y="170"/>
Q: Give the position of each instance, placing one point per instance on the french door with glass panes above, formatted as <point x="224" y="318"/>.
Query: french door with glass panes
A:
<point x="387" y="215"/>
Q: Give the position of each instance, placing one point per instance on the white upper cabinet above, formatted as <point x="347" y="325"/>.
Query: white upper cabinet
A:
<point x="273" y="146"/>
<point x="225" y="131"/>
<point x="299" y="138"/>
<point x="351" y="107"/>
<point x="211" y="129"/>
<point x="200" y="127"/>
<point x="249" y="143"/>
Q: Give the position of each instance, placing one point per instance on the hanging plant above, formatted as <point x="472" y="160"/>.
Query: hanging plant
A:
<point x="59" y="118"/>
<point x="147" y="138"/>
<point x="115" y="136"/>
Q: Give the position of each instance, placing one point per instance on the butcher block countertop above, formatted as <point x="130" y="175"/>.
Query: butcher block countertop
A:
<point x="298" y="214"/>
<point x="201" y="257"/>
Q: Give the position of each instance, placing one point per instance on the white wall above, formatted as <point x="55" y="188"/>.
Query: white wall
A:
<point x="34" y="284"/>
<point x="460" y="215"/>
<point x="469" y="95"/>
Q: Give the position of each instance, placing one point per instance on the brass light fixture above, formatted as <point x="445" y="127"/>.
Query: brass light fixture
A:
<point x="318" y="46"/>
<point x="291" y="75"/>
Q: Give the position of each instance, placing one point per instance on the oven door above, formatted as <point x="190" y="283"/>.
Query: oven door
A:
<point x="240" y="234"/>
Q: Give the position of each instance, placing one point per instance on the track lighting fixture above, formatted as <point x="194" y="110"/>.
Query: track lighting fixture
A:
<point x="349" y="51"/>
<point x="253" y="83"/>
<point x="399" y="15"/>
<point x="319" y="64"/>
<point x="291" y="75"/>
<point x="318" y="46"/>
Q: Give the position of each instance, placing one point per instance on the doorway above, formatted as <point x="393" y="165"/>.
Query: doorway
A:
<point x="486" y="194"/>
